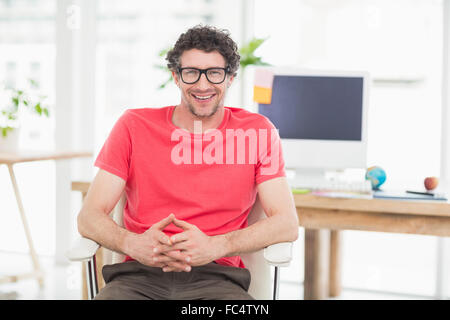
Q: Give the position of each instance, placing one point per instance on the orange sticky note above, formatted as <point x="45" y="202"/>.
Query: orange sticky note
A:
<point x="262" y="95"/>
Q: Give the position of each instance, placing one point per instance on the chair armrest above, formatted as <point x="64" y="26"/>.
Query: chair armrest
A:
<point x="83" y="249"/>
<point x="279" y="254"/>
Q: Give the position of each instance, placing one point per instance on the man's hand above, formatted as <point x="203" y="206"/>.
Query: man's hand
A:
<point x="146" y="248"/>
<point x="193" y="243"/>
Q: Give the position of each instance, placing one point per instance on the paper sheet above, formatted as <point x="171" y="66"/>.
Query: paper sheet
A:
<point x="262" y="90"/>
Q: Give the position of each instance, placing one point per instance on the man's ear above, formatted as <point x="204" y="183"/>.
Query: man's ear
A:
<point x="175" y="78"/>
<point x="230" y="81"/>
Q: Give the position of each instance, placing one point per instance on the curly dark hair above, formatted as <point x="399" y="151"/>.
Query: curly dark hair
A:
<point x="208" y="39"/>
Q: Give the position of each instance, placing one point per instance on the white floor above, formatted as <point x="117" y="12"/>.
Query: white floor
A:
<point x="61" y="282"/>
<point x="64" y="283"/>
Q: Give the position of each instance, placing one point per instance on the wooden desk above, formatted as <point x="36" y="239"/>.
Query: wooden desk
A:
<point x="11" y="158"/>
<point x="323" y="217"/>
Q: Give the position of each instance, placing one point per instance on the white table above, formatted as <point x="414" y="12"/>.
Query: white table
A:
<point x="20" y="156"/>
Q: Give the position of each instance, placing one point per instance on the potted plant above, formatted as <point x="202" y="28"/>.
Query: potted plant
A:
<point x="247" y="53"/>
<point x="13" y="103"/>
<point x="248" y="58"/>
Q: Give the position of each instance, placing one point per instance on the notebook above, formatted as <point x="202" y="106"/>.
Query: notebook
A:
<point x="403" y="195"/>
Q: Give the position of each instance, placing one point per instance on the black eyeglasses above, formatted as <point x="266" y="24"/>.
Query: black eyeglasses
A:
<point x="214" y="75"/>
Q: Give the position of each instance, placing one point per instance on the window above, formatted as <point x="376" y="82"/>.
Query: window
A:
<point x="27" y="50"/>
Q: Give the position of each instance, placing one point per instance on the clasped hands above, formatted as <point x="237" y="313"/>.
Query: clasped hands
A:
<point x="177" y="253"/>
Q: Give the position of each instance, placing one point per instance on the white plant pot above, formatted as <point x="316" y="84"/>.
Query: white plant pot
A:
<point x="11" y="142"/>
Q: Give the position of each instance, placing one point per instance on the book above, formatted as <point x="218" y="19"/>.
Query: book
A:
<point x="343" y="194"/>
<point x="403" y="195"/>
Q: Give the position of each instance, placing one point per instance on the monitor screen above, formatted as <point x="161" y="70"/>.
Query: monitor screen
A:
<point x="321" y="116"/>
<point x="316" y="107"/>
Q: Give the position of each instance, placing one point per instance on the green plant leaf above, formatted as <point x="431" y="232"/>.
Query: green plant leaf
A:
<point x="20" y="98"/>
<point x="5" y="131"/>
<point x="247" y="53"/>
<point x="165" y="83"/>
<point x="252" y="45"/>
<point x="33" y="83"/>
<point x="163" y="52"/>
<point x="38" y="108"/>
<point x="15" y="101"/>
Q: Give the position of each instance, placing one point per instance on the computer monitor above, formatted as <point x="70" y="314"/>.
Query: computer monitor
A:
<point x="321" y="117"/>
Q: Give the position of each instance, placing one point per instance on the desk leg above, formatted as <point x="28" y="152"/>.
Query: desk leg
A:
<point x="317" y="256"/>
<point x="34" y="257"/>
<point x="335" y="263"/>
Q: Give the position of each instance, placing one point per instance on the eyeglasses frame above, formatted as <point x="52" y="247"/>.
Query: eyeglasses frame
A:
<point x="203" y="71"/>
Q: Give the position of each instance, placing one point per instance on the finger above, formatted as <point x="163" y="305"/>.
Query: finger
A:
<point x="164" y="222"/>
<point x="162" y="248"/>
<point x="177" y="267"/>
<point x="176" y="251"/>
<point x="152" y="263"/>
<point x="170" y="269"/>
<point x="183" y="224"/>
<point x="175" y="255"/>
<point x="165" y="259"/>
<point x="163" y="238"/>
<point x="179" y="237"/>
<point x="182" y="246"/>
<point x="162" y="259"/>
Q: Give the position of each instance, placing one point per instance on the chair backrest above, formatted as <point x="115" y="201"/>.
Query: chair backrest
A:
<point x="261" y="284"/>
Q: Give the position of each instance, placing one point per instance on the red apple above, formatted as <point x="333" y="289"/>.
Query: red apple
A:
<point x="431" y="183"/>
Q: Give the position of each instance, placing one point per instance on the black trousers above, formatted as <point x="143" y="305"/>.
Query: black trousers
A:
<point x="135" y="281"/>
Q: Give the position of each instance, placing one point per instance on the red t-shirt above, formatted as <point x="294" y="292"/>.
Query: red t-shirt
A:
<point x="208" y="180"/>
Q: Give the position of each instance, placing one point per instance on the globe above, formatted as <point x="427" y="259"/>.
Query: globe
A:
<point x="376" y="175"/>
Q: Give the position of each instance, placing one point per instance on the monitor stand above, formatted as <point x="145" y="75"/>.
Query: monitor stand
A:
<point x="302" y="177"/>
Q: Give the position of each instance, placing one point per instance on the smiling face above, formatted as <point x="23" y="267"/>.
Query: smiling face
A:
<point x="202" y="98"/>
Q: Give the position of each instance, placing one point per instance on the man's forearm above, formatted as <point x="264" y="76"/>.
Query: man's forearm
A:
<point x="104" y="230"/>
<point x="281" y="224"/>
<point x="274" y="229"/>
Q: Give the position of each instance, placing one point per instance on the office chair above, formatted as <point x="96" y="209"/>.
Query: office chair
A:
<point x="258" y="262"/>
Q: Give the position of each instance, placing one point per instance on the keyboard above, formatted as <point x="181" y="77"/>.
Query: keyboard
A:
<point x="335" y="186"/>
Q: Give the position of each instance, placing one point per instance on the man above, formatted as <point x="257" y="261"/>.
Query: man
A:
<point x="190" y="185"/>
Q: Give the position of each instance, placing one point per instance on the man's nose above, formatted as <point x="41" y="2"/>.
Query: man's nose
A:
<point x="203" y="82"/>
